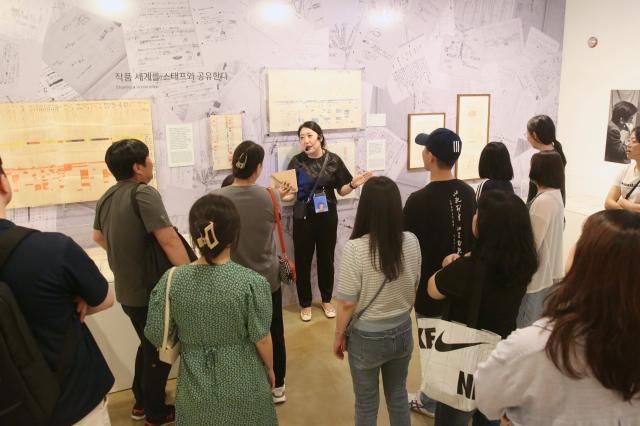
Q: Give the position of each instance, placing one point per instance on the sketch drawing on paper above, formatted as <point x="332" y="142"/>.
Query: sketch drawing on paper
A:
<point x="225" y="136"/>
<point x="332" y="98"/>
<point x="54" y="152"/>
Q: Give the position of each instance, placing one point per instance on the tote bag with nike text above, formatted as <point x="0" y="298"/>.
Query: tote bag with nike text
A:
<point x="450" y="353"/>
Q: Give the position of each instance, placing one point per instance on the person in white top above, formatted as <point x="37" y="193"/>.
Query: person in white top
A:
<point x="379" y="275"/>
<point x="579" y="364"/>
<point x="625" y="192"/>
<point x="547" y="220"/>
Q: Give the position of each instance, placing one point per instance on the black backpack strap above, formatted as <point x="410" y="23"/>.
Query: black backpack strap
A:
<point x="134" y="202"/>
<point x="10" y="240"/>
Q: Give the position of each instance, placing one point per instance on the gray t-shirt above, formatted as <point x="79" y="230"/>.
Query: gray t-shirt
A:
<point x="257" y="246"/>
<point x="125" y="236"/>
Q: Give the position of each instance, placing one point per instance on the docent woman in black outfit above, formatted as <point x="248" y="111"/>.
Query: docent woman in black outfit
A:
<point x="320" y="174"/>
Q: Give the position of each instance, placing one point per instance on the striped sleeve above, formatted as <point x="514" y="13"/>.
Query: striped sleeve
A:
<point x="350" y="279"/>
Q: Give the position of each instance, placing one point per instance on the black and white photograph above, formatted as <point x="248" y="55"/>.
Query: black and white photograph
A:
<point x="623" y="113"/>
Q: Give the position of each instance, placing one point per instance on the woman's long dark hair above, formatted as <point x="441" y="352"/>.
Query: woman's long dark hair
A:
<point x="545" y="131"/>
<point x="380" y="215"/>
<point x="595" y="309"/>
<point x="505" y="242"/>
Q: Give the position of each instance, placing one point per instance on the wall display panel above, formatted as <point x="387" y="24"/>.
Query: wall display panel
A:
<point x="472" y="124"/>
<point x="53" y="152"/>
<point x="225" y="136"/>
<point x="332" y="98"/>
<point x="422" y="122"/>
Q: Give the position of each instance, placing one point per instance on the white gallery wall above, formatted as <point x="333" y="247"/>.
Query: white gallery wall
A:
<point x="587" y="78"/>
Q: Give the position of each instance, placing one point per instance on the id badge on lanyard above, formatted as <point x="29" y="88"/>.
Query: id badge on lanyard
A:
<point x="320" y="202"/>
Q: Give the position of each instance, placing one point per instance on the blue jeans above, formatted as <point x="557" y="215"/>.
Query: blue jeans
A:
<point x="428" y="403"/>
<point x="388" y="351"/>
<point x="449" y="416"/>
<point x="531" y="307"/>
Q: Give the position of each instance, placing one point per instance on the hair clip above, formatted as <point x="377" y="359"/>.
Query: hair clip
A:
<point x="242" y="160"/>
<point x="206" y="240"/>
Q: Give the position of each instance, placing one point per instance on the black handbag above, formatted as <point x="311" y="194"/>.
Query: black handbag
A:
<point x="156" y="262"/>
<point x="300" y="207"/>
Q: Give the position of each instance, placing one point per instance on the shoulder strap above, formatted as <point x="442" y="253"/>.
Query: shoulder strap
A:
<point x="134" y="201"/>
<point x="315" y="185"/>
<point x="626" y="197"/>
<point x="11" y="238"/>
<point x="357" y="315"/>
<point x="479" y="189"/>
<point x="167" y="309"/>
<point x="278" y="224"/>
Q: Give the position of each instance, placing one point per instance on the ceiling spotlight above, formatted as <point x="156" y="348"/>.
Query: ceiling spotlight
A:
<point x="276" y="12"/>
<point x="384" y="17"/>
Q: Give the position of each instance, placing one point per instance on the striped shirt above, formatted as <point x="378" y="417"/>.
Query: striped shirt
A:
<point x="359" y="281"/>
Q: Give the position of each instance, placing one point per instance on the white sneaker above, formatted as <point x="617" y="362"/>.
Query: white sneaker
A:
<point x="416" y="405"/>
<point x="278" y="395"/>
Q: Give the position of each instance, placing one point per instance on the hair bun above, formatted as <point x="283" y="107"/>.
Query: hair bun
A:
<point x="242" y="160"/>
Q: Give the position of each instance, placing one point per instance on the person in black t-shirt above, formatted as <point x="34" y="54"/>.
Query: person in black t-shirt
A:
<point x="54" y="297"/>
<point x="440" y="216"/>
<point x="495" y="168"/>
<point x="503" y="261"/>
<point x="317" y="230"/>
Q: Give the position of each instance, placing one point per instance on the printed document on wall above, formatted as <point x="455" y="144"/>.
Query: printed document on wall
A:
<point x="332" y="98"/>
<point x="225" y="136"/>
<point x="54" y="151"/>
<point x="180" y="145"/>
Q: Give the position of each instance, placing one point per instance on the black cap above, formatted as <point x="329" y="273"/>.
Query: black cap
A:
<point x="443" y="143"/>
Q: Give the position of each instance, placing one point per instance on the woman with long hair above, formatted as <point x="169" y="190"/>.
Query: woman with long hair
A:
<point x="220" y="312"/>
<point x="547" y="218"/>
<point x="541" y="135"/>
<point x="502" y="262"/>
<point x="379" y="276"/>
<point x="625" y="192"/>
<point x="320" y="174"/>
<point x="579" y="364"/>
<point x="256" y="247"/>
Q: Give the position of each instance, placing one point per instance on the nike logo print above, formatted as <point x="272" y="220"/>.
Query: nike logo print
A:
<point x="442" y="346"/>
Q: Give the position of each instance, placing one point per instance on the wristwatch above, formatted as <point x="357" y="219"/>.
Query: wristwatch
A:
<point x="351" y="186"/>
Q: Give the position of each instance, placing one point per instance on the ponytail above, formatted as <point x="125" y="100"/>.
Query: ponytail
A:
<point x="558" y="147"/>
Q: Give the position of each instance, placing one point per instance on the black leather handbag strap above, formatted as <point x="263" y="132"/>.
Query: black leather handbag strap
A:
<point x="626" y="197"/>
<point x="315" y="185"/>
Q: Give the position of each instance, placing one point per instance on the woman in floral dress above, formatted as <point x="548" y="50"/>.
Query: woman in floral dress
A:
<point x="221" y="313"/>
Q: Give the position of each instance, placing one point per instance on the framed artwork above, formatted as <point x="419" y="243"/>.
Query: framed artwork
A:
<point x="472" y="125"/>
<point x="421" y="122"/>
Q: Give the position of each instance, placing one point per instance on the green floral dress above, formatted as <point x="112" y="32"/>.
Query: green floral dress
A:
<point x="219" y="313"/>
